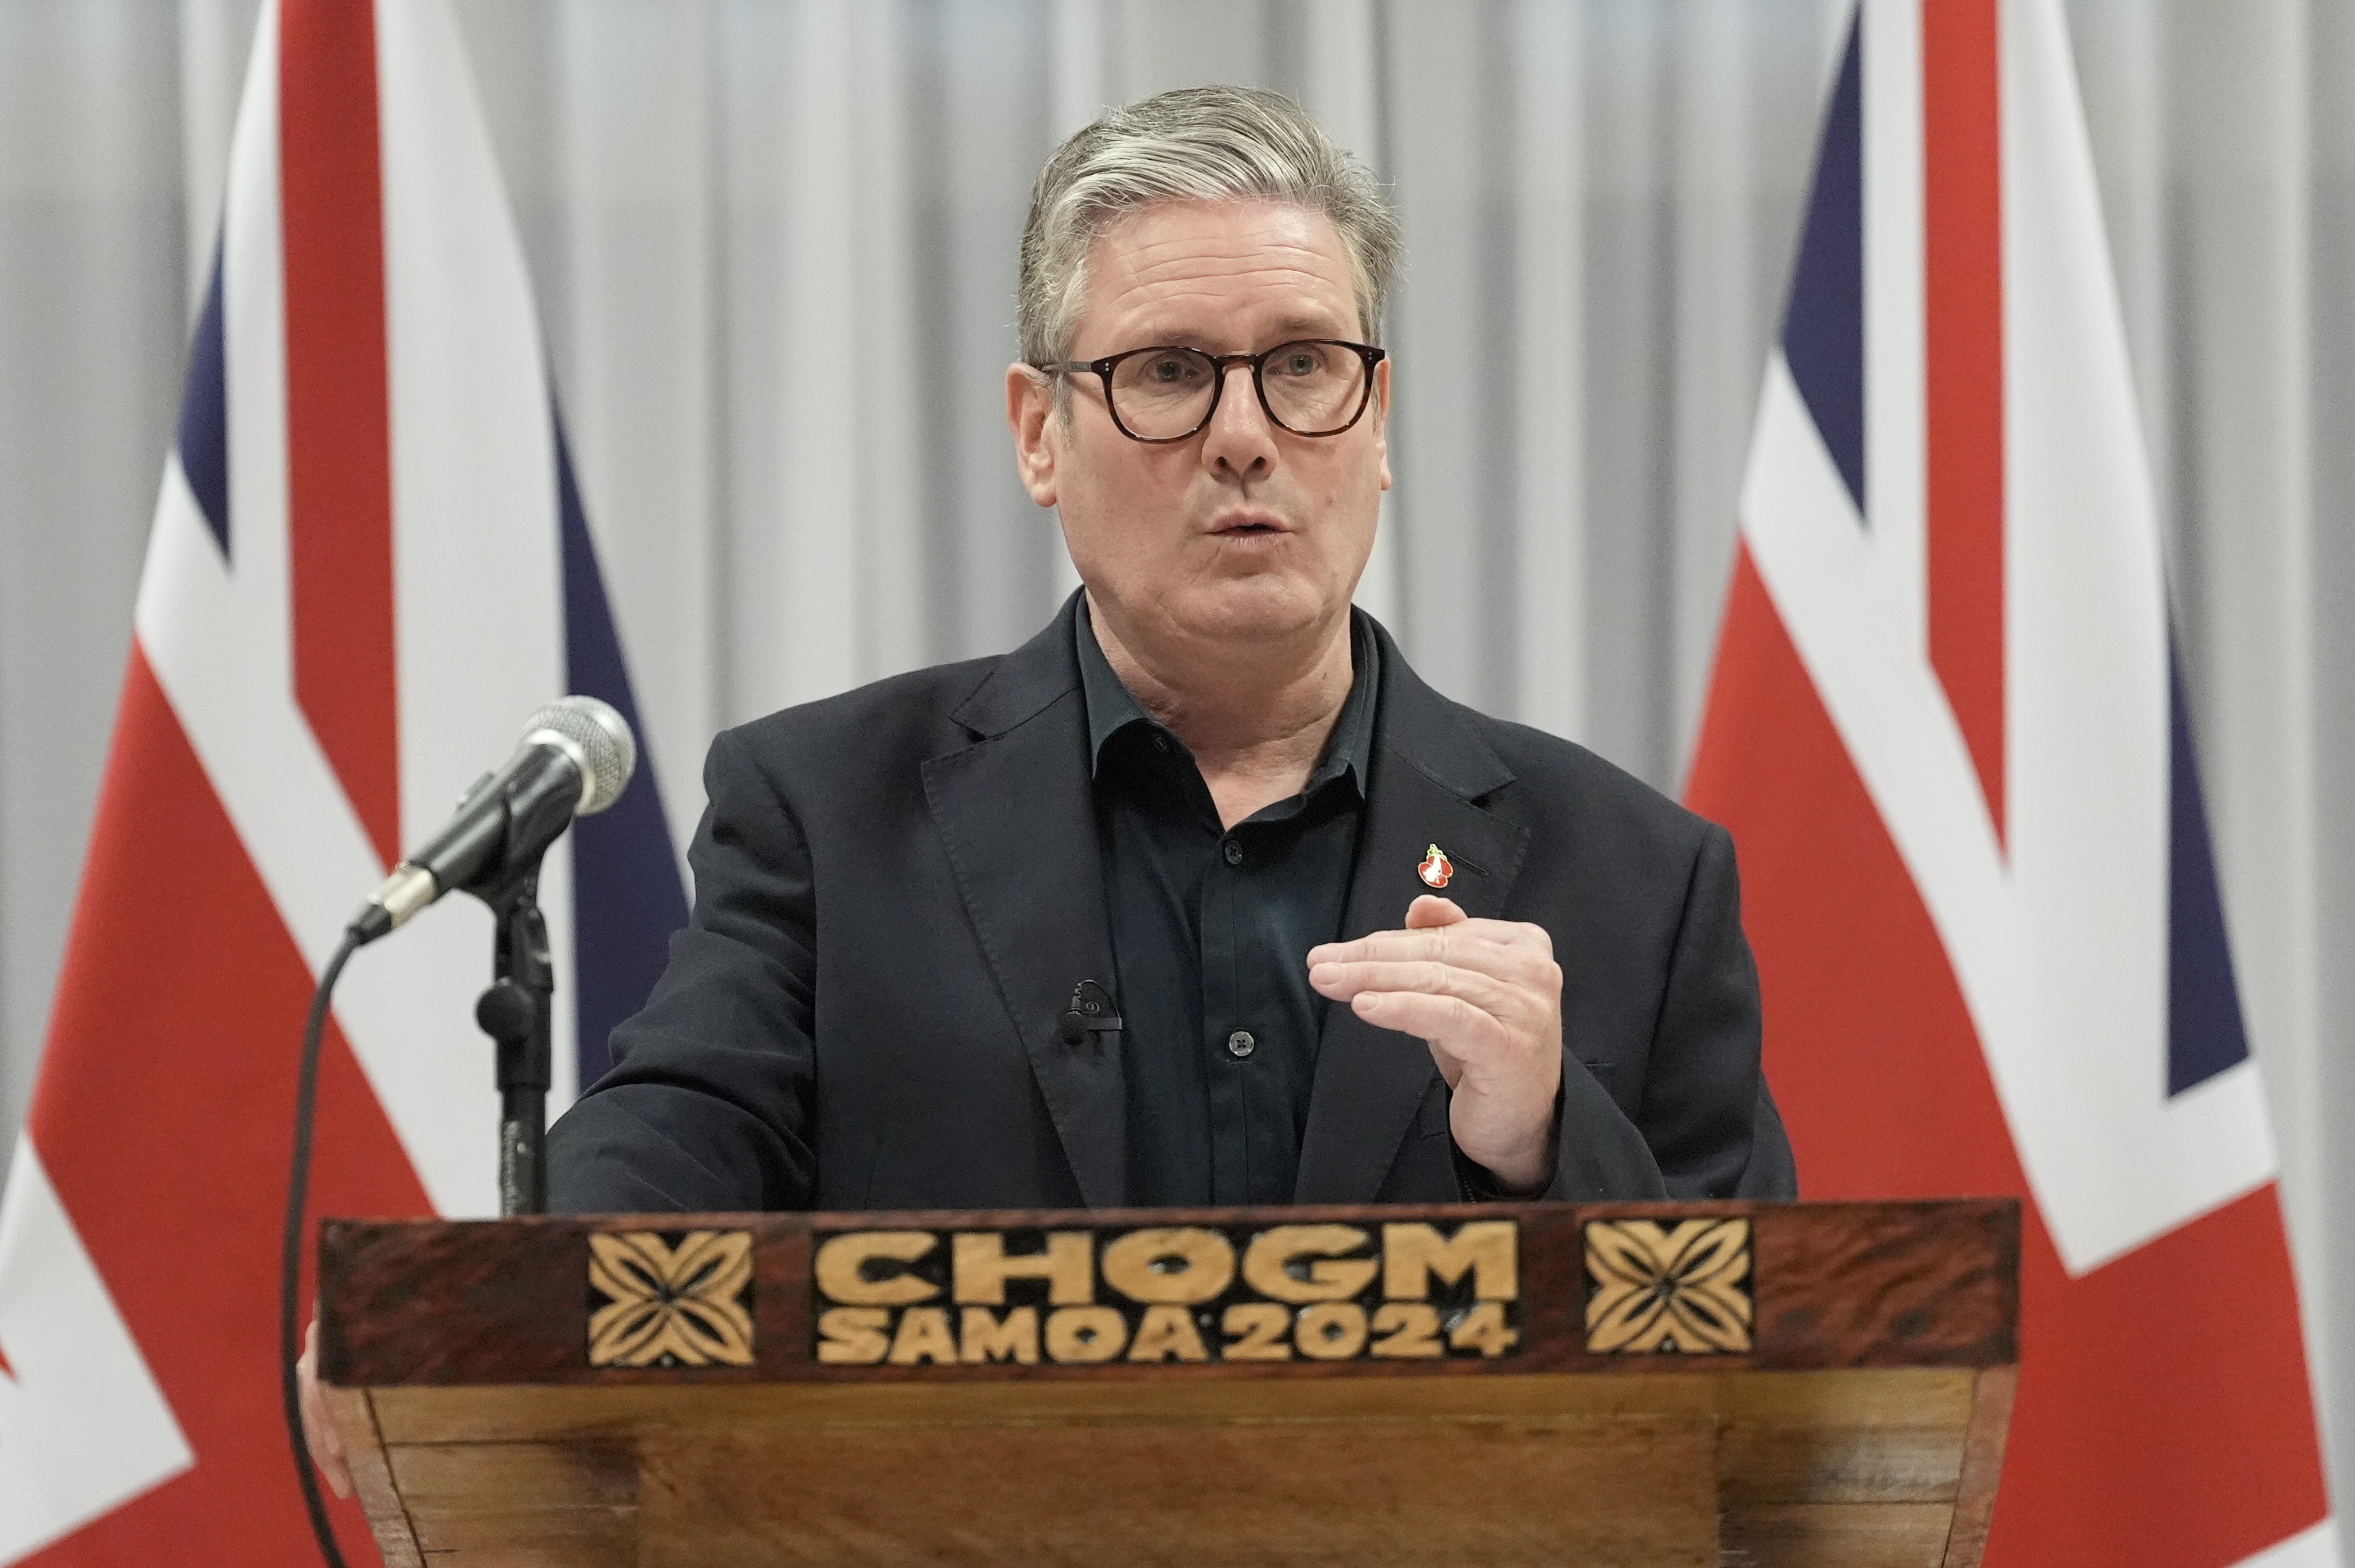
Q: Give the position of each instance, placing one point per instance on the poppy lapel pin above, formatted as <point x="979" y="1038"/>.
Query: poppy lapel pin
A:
<point x="1435" y="868"/>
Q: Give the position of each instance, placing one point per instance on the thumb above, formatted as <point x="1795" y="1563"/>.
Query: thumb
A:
<point x="1429" y="910"/>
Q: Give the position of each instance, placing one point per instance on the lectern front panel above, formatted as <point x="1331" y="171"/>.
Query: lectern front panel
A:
<point x="1818" y="1384"/>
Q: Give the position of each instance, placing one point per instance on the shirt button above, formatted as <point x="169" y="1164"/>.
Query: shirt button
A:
<point x="1241" y="1043"/>
<point x="1234" y="854"/>
<point x="1161" y="744"/>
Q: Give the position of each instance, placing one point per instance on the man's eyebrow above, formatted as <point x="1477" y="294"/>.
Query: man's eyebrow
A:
<point x="1290" y="329"/>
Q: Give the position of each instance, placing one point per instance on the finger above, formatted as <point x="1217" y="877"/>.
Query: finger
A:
<point x="1465" y="936"/>
<point x="1429" y="909"/>
<point x="1501" y="998"/>
<point x="1505" y="933"/>
<point x="319" y="1433"/>
<point x="1534" y="974"/>
<point x="326" y="1445"/>
<point x="1447" y="1024"/>
<point x="314" y="1400"/>
<point x="1431" y="941"/>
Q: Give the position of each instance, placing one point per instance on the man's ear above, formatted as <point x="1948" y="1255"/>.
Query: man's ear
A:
<point x="1382" y="419"/>
<point x="1030" y="414"/>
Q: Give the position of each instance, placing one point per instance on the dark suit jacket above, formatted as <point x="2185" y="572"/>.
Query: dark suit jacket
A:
<point x="897" y="889"/>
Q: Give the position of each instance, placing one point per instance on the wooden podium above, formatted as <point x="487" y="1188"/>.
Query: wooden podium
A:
<point x="1823" y="1384"/>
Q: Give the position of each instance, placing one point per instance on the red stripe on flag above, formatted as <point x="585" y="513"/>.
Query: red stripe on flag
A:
<point x="2164" y="1418"/>
<point x="165" y="1116"/>
<point x="1962" y="202"/>
<point x="338" y="461"/>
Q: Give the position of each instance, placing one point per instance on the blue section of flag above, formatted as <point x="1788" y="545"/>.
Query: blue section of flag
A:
<point x="204" y="414"/>
<point x="2204" y="1033"/>
<point x="1823" y="334"/>
<point x="626" y="898"/>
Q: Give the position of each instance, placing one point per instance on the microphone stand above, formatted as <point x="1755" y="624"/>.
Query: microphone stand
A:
<point x="515" y="1012"/>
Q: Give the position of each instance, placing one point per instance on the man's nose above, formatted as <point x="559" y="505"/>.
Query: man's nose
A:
<point x="1240" y="438"/>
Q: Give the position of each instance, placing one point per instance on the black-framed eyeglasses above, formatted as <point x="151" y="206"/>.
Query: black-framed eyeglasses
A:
<point x="1316" y="387"/>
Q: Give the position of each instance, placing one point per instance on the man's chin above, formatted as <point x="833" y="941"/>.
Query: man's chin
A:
<point x="1251" y="612"/>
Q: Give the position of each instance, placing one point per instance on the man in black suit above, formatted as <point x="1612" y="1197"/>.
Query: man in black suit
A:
<point x="1200" y="895"/>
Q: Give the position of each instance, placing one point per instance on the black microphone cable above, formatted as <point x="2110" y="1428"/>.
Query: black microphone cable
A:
<point x="290" y="1259"/>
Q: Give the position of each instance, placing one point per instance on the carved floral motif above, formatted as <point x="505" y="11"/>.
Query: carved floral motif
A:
<point x="670" y="1305"/>
<point x="1683" y="1287"/>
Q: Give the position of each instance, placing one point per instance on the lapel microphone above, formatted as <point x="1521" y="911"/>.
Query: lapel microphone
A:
<point x="1091" y="1012"/>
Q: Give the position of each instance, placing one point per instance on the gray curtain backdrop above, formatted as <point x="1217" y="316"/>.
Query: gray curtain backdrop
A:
<point x="774" y="246"/>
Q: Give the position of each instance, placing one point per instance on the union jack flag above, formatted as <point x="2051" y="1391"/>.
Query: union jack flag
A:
<point x="368" y="563"/>
<point x="1948" y="734"/>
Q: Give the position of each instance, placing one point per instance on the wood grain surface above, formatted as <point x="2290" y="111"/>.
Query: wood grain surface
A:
<point x="505" y="1301"/>
<point x="1864" y="1429"/>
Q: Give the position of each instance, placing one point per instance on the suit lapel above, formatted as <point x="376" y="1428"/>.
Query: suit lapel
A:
<point x="1429" y="769"/>
<point x="1015" y="815"/>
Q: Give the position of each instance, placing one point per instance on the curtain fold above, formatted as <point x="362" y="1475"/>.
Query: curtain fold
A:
<point x="774" y="245"/>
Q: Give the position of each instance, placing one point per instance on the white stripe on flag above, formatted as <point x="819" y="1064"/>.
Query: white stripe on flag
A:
<point x="2316" y="1548"/>
<point x="1895" y="353"/>
<point x="104" y="1432"/>
<point x="478" y="564"/>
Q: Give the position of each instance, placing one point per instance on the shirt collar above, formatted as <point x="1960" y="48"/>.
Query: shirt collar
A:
<point x="1112" y="708"/>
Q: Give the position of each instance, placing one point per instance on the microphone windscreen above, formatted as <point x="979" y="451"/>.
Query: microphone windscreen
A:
<point x="604" y="736"/>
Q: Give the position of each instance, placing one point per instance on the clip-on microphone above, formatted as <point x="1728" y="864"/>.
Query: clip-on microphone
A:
<point x="1091" y="1012"/>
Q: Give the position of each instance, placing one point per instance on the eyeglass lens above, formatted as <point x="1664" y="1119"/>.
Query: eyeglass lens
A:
<point x="1313" y="388"/>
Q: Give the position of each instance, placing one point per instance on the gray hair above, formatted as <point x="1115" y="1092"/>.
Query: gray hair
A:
<point x="1195" y="144"/>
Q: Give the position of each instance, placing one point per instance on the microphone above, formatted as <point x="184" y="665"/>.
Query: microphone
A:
<point x="576" y="757"/>
<point x="1091" y="1013"/>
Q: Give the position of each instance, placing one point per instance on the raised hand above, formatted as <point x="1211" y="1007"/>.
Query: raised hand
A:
<point x="1486" y="996"/>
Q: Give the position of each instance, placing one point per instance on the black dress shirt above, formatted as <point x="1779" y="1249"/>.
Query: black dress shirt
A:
<point x="1211" y="932"/>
